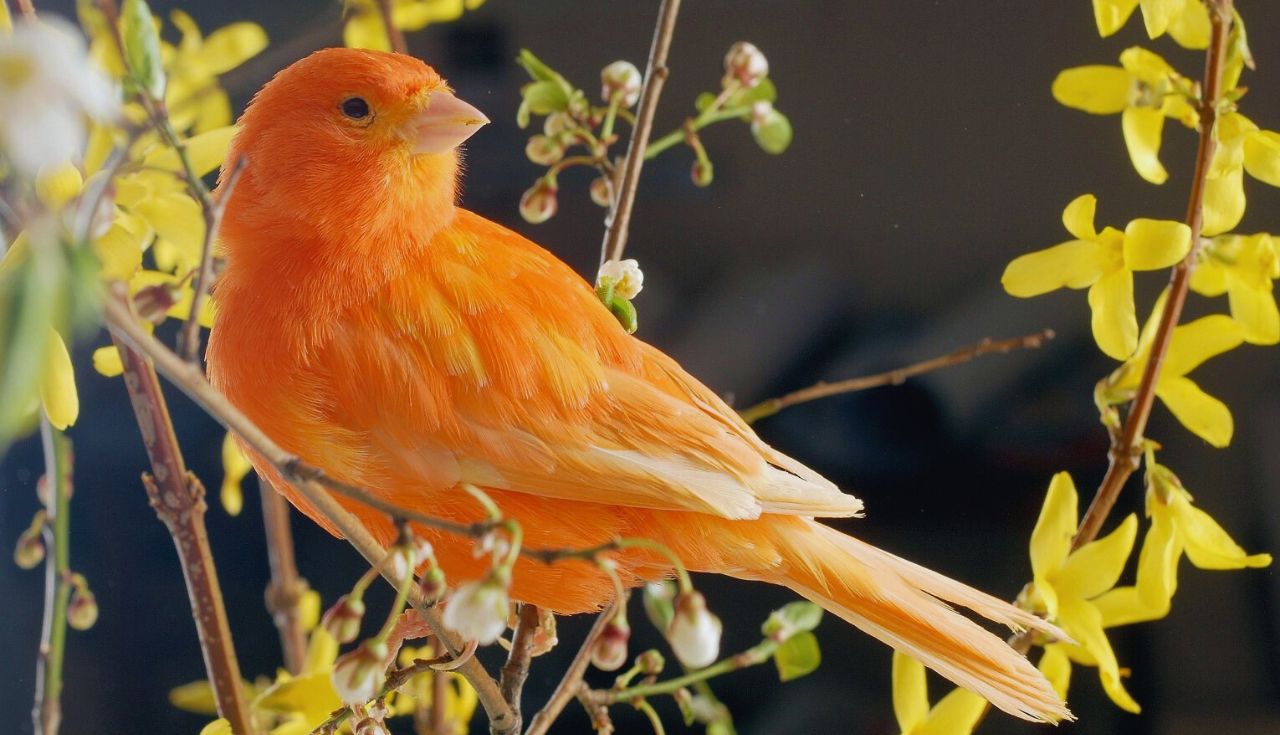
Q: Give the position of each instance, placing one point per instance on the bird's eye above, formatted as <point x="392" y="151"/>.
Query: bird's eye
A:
<point x="355" y="108"/>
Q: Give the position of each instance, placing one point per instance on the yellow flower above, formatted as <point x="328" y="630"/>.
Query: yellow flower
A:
<point x="1243" y="267"/>
<point x="1144" y="90"/>
<point x="58" y="384"/>
<point x="193" y="97"/>
<point x="364" y="27"/>
<point x="958" y="713"/>
<point x="1066" y="582"/>
<point x="234" y="467"/>
<point x="1177" y="527"/>
<point x="1187" y="21"/>
<point x="1192" y="344"/>
<point x="1242" y="148"/>
<point x="1104" y="262"/>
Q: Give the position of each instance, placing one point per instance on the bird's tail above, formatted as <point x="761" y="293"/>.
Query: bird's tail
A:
<point x="904" y="605"/>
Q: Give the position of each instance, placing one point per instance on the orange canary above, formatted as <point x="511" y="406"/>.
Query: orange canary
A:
<point x="377" y="329"/>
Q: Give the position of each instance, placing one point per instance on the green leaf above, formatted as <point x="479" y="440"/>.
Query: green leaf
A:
<point x="798" y="656"/>
<point x="539" y="71"/>
<point x="772" y="132"/>
<point x="625" y="312"/>
<point x="544" y="98"/>
<point x="704" y="101"/>
<point x="762" y="92"/>
<point x="142" y="48"/>
<point x="800" y="616"/>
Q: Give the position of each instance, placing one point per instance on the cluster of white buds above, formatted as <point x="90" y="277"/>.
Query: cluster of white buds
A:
<point x="478" y="610"/>
<point x="539" y="203"/>
<point x="745" y="64"/>
<point x="621" y="78"/>
<point x="694" y="633"/>
<point x="358" y="676"/>
<point x="342" y="621"/>
<point x="30" y="550"/>
<point x="624" y="276"/>
<point x="609" y="652"/>
<point x="82" y="611"/>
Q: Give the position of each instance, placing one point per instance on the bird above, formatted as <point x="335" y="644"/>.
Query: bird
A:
<point x="400" y="342"/>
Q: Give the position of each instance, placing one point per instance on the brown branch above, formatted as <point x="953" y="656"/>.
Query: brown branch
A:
<point x="893" y="377"/>
<point x="1124" y="457"/>
<point x="178" y="498"/>
<point x="46" y="714"/>
<point x="395" y="36"/>
<point x="516" y="670"/>
<point x="189" y="336"/>
<point x="571" y="684"/>
<point x="655" y="76"/>
<point x="287" y="587"/>
<point x="433" y="719"/>
<point x="27" y="8"/>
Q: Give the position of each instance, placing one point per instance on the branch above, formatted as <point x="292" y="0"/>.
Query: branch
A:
<point x="178" y="498"/>
<point x="893" y="377"/>
<point x="516" y="670"/>
<point x="1124" y="457"/>
<point x="47" y="712"/>
<point x="213" y="208"/>
<point x="572" y="683"/>
<point x="394" y="35"/>
<point x="286" y="587"/>
<point x="753" y="656"/>
<point x="655" y="76"/>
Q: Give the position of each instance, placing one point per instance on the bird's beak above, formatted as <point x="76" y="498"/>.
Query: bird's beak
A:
<point x="444" y="123"/>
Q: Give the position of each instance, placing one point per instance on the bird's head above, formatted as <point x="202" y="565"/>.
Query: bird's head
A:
<point x="348" y="140"/>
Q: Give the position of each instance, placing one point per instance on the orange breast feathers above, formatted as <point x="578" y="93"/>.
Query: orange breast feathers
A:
<point x="409" y="346"/>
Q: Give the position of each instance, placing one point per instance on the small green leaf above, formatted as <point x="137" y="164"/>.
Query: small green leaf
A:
<point x="625" y="312"/>
<point x="798" y="656"/>
<point x="762" y="92"/>
<point x="704" y="100"/>
<point x="544" y="98"/>
<point x="142" y="48"/>
<point x="772" y="132"/>
<point x="539" y="71"/>
<point x="800" y="616"/>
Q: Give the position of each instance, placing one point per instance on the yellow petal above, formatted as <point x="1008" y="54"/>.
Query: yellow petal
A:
<point x="194" y="697"/>
<point x="213" y="110"/>
<point x="1123" y="606"/>
<point x="1255" y="310"/>
<point x="106" y="360"/>
<point x="234" y="467"/>
<point x="1073" y="264"/>
<point x="1056" y="667"/>
<point x="57" y="185"/>
<point x="1079" y="215"/>
<point x="958" y="713"/>
<point x="322" y="651"/>
<point x="308" y="605"/>
<point x="58" y="384"/>
<point x="1262" y="156"/>
<point x="1190" y="28"/>
<point x="311" y="693"/>
<point x="1156" y="15"/>
<point x="1111" y="15"/>
<point x="1115" y="325"/>
<point x="1202" y="414"/>
<point x="1099" y="90"/>
<point x="228" y="47"/>
<point x="1197" y="341"/>
<point x="1158" y="562"/>
<point x="1051" y="538"/>
<point x="1142" y="127"/>
<point x="1209" y="278"/>
<point x="910" y="695"/>
<point x="98" y="149"/>
<point x="1083" y="622"/>
<point x="1154" y="244"/>
<point x="177" y="219"/>
<point x="1208" y="546"/>
<point x="119" y="250"/>
<point x="364" y="29"/>
<point x="1146" y="65"/>
<point x="205" y="151"/>
<point x="1095" y="567"/>
<point x="1224" y="202"/>
<point x="217" y="727"/>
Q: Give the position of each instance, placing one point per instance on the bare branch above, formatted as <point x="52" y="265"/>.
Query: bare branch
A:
<point x="394" y="35"/>
<point x="189" y="336"/>
<point x="287" y="587"/>
<point x="516" y="670"/>
<point x="572" y="683"/>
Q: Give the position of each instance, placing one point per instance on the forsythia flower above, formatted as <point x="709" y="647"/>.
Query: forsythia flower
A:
<point x="1104" y="262"/>
<point x="958" y="713"/>
<point x="1243" y="267"/>
<point x="1242" y="147"/>
<point x="234" y="468"/>
<point x="193" y="96"/>
<point x="1144" y="90"/>
<point x="365" y="29"/>
<point x="1192" y="344"/>
<point x="1067" y="582"/>
<point x="1187" y="21"/>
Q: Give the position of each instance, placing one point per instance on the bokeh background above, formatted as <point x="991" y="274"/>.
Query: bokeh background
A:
<point x="927" y="153"/>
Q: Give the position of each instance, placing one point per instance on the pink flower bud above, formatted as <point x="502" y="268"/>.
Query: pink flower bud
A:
<point x="152" y="303"/>
<point x="30" y="549"/>
<point x="745" y="63"/>
<point x="432" y="584"/>
<point x="621" y="77"/>
<point x="82" y="612"/>
<point x="609" y="652"/>
<point x="694" y="633"/>
<point x="342" y="621"/>
<point x="539" y="203"/>
<point x="702" y="172"/>
<point x="601" y="191"/>
<point x="544" y="150"/>
<point x="359" y="675"/>
<point x="478" y="610"/>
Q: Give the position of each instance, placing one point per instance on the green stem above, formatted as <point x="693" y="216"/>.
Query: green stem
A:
<point x="682" y="574"/>
<point x="652" y="714"/>
<point x="701" y="121"/>
<point x="397" y="607"/>
<point x="611" y="116"/>
<point x="47" y="712"/>
<point x="753" y="656"/>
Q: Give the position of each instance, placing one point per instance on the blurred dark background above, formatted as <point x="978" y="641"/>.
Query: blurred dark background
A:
<point x="927" y="154"/>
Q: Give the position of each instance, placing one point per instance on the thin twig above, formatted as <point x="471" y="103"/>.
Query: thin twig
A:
<point x="571" y="683"/>
<point x="287" y="587"/>
<point x="1124" y="457"/>
<point x="655" y="76"/>
<point x="894" y="377"/>
<point x="27" y="9"/>
<point x="47" y="712"/>
<point x="178" y="498"/>
<point x="189" y="336"/>
<point x="516" y="670"/>
<point x="394" y="35"/>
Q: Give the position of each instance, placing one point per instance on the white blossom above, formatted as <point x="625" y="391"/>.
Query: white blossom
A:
<point x="626" y="276"/>
<point x="478" y="610"/>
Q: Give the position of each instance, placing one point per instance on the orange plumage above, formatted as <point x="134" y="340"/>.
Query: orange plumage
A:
<point x="407" y="345"/>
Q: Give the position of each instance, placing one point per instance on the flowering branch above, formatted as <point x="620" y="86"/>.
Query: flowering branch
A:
<point x="47" y="712"/>
<point x="571" y="683"/>
<point x="898" y="376"/>
<point x="516" y="670"/>
<point x="286" y="587"/>
<point x="628" y="177"/>
<point x="1126" y="453"/>
<point x="394" y="35"/>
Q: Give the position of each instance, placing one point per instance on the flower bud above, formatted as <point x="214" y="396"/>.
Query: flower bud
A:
<point x="621" y="77"/>
<point x="478" y="610"/>
<point x="702" y="172"/>
<point x="651" y="662"/>
<point x="342" y="621"/>
<point x="556" y="124"/>
<point x="770" y="128"/>
<point x="152" y="303"/>
<point x="745" y="63"/>
<point x="544" y="150"/>
<point x="600" y="191"/>
<point x="358" y="676"/>
<point x="609" y="652"/>
<point x="625" y="275"/>
<point x="82" y="612"/>
<point x="369" y="726"/>
<point x="432" y="584"/>
<point x="539" y="203"/>
<point x="30" y="549"/>
<point x="694" y="633"/>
